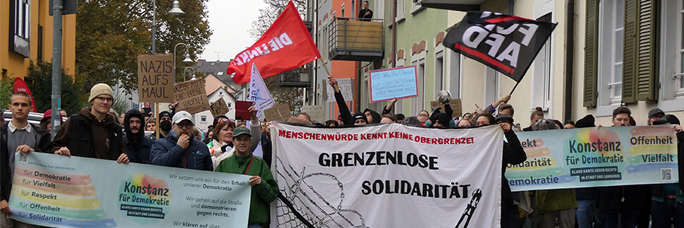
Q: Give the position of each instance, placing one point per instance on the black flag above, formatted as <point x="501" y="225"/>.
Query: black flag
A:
<point x="505" y="43"/>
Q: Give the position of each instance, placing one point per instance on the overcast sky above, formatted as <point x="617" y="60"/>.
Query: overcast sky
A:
<point x="231" y="21"/>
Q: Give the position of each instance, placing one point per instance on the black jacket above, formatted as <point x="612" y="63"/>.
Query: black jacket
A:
<point x="137" y="152"/>
<point x="513" y="154"/>
<point x="347" y="118"/>
<point x="43" y="139"/>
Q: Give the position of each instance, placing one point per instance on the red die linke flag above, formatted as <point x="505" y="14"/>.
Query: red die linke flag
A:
<point x="508" y="44"/>
<point x="286" y="45"/>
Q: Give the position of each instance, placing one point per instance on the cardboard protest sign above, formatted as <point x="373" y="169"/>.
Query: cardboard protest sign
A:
<point x="317" y="113"/>
<point x="345" y="86"/>
<point x="279" y="112"/>
<point x="219" y="108"/>
<point x="155" y="78"/>
<point x="191" y="96"/>
<point x="454" y="103"/>
<point x="398" y="82"/>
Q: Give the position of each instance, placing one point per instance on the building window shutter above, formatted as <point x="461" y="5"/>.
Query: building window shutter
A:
<point x="646" y="80"/>
<point x="629" y="65"/>
<point x="591" y="54"/>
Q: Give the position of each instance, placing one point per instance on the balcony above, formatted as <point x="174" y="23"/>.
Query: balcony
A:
<point x="355" y="40"/>
<point x="294" y="78"/>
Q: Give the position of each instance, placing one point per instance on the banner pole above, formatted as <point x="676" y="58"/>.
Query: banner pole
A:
<point x="156" y="118"/>
<point x="516" y="86"/>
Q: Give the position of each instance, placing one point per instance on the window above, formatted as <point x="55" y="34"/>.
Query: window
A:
<point x="454" y="74"/>
<point x="400" y="11"/>
<point x="610" y="53"/>
<point x="342" y="10"/>
<point x="680" y="48"/>
<point x="491" y="86"/>
<point x="672" y="72"/>
<point x="203" y="119"/>
<point x="20" y="22"/>
<point x="542" y="66"/>
<point x="439" y="72"/>
<point x="416" y="6"/>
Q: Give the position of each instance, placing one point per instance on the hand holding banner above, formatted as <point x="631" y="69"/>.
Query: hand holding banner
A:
<point x="58" y="191"/>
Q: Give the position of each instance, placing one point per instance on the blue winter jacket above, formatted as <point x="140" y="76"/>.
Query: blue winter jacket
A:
<point x="166" y="152"/>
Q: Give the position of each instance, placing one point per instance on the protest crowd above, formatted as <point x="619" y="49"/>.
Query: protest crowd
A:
<point x="98" y="132"/>
<point x="95" y="132"/>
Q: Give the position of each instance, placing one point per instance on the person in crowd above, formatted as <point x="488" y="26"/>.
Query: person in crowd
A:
<point x="165" y="125"/>
<point x="411" y="121"/>
<point x="389" y="108"/>
<point x="365" y="14"/>
<point x="465" y="123"/>
<point x="587" y="198"/>
<point x="296" y="120"/>
<point x="492" y="107"/>
<point x="221" y="118"/>
<point x="667" y="200"/>
<point x="151" y="124"/>
<point x="46" y="121"/>
<point x="400" y="117"/>
<point x="423" y="116"/>
<point x="513" y="153"/>
<point x="440" y="120"/>
<point x="558" y="203"/>
<point x="181" y="149"/>
<point x="467" y="116"/>
<point x="655" y="114"/>
<point x="569" y="124"/>
<point x="115" y="114"/>
<point x="331" y="123"/>
<point x="388" y="118"/>
<point x="122" y="117"/>
<point x="345" y="114"/>
<point x="537" y="114"/>
<point x="559" y="125"/>
<point x="137" y="145"/>
<point x="622" y="202"/>
<point x="305" y="116"/>
<point x="209" y="136"/>
<point x="223" y="146"/>
<point x="63" y="112"/>
<point x="17" y="135"/>
<point x="506" y="109"/>
<point x="264" y="187"/>
<point x="266" y="146"/>
<point x="93" y="132"/>
<point x="372" y="116"/>
<point x="360" y="119"/>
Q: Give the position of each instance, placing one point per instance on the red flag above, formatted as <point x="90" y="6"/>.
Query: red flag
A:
<point x="21" y="86"/>
<point x="286" y="45"/>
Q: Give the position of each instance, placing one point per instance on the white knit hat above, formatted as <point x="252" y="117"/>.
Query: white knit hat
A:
<point x="99" y="89"/>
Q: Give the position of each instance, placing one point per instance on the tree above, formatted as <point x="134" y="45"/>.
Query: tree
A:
<point x="110" y="34"/>
<point x="281" y="95"/>
<point x="6" y="88"/>
<point x="39" y="80"/>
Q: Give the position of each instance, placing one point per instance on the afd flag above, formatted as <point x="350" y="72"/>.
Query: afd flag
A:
<point x="258" y="92"/>
<point x="506" y="43"/>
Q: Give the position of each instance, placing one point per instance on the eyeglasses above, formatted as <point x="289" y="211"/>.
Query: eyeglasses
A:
<point x="184" y="124"/>
<point x="103" y="99"/>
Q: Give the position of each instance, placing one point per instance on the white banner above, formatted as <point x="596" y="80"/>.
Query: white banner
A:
<point x="387" y="176"/>
<point x="258" y="92"/>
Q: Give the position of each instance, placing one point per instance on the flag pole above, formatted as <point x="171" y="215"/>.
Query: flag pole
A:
<point x="516" y="86"/>
<point x="325" y="66"/>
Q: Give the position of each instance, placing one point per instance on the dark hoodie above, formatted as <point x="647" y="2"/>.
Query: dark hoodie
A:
<point x="85" y="136"/>
<point x="376" y="116"/>
<point x="137" y="145"/>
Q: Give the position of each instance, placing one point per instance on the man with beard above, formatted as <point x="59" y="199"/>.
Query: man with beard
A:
<point x="136" y="144"/>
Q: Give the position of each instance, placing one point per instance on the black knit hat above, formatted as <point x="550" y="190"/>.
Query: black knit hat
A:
<point x="359" y="115"/>
<point x="587" y="121"/>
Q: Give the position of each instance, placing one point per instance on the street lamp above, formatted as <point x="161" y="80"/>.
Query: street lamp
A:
<point x="174" y="11"/>
<point x="186" y="60"/>
<point x="193" y="73"/>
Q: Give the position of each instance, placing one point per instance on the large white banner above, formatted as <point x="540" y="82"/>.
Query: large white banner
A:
<point x="258" y="92"/>
<point x="387" y="176"/>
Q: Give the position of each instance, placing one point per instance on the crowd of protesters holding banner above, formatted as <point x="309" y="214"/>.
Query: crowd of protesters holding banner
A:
<point x="96" y="133"/>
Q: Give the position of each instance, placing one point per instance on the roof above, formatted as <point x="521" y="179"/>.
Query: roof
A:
<point x="217" y="68"/>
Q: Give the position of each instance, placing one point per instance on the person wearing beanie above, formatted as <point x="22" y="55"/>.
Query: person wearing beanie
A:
<point x="181" y="149"/>
<point x="655" y="115"/>
<point x="137" y="145"/>
<point x="358" y="119"/>
<point x="264" y="186"/>
<point x="666" y="198"/>
<point x="92" y="132"/>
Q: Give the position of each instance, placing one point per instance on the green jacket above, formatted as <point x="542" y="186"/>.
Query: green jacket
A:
<point x="262" y="194"/>
<point x="554" y="200"/>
